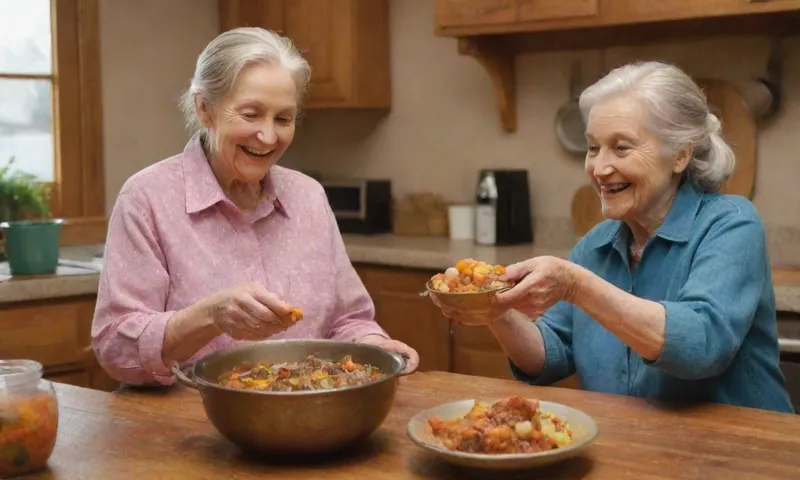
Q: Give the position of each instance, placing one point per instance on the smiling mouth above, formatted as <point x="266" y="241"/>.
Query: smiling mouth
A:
<point x="614" y="187"/>
<point x="255" y="152"/>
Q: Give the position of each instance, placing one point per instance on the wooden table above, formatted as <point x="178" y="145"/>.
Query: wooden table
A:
<point x="164" y="434"/>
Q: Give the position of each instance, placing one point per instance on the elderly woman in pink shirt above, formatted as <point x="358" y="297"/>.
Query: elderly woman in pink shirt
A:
<point x="212" y="246"/>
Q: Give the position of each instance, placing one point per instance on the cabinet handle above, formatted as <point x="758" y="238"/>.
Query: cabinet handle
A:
<point x="789" y="345"/>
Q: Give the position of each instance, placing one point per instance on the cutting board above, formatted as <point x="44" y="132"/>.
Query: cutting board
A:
<point x="738" y="128"/>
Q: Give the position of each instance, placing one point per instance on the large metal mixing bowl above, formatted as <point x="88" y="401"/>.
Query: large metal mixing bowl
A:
<point x="318" y="421"/>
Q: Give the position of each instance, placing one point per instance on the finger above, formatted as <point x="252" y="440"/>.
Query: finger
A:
<point x="409" y="354"/>
<point x="268" y="299"/>
<point x="412" y="361"/>
<point x="254" y="310"/>
<point x="517" y="292"/>
<point x="517" y="270"/>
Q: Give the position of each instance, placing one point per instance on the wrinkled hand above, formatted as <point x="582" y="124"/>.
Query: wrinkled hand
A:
<point x="542" y="282"/>
<point x="411" y="356"/>
<point x="249" y="312"/>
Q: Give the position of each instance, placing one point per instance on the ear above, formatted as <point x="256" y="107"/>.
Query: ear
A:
<point x="203" y="112"/>
<point x="682" y="159"/>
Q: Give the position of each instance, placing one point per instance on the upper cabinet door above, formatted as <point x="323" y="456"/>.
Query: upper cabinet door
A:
<point x="323" y="30"/>
<point x="346" y="42"/>
<point x="649" y="10"/>
<point x="475" y="12"/>
<point x="532" y="10"/>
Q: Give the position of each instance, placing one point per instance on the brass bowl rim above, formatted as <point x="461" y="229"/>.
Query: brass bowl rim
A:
<point x="390" y="376"/>
<point x="462" y="294"/>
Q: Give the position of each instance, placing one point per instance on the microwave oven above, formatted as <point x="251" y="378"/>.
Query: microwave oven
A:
<point x="361" y="206"/>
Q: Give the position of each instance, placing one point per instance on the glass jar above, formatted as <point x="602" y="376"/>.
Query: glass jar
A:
<point x="28" y="417"/>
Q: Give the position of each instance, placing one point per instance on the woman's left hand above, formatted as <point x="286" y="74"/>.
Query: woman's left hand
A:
<point x="542" y="282"/>
<point x="408" y="353"/>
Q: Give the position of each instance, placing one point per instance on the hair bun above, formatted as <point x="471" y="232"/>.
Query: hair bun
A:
<point x="713" y="124"/>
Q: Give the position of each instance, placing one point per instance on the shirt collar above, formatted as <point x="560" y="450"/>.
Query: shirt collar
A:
<point x="676" y="226"/>
<point x="203" y="190"/>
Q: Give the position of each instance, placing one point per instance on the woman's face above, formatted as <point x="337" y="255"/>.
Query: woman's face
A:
<point x="626" y="162"/>
<point x="254" y="124"/>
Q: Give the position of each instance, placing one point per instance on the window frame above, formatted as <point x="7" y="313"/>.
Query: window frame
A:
<point x="78" y="192"/>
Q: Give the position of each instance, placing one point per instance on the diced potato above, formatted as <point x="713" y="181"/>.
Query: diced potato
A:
<point x="524" y="429"/>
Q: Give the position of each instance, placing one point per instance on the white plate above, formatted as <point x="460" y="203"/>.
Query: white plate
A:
<point x="584" y="430"/>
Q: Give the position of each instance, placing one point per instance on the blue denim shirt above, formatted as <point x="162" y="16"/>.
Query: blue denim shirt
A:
<point x="708" y="266"/>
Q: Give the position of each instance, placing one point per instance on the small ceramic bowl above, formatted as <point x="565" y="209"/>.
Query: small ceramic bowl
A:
<point x="463" y="300"/>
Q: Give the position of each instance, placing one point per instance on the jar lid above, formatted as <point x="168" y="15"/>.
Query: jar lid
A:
<point x="19" y="372"/>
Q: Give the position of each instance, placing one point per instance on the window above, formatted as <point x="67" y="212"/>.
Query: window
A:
<point x="50" y="113"/>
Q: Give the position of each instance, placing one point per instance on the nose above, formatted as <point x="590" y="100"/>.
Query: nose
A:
<point x="600" y="165"/>
<point x="266" y="134"/>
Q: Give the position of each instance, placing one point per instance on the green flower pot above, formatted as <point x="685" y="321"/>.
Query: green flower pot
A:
<point x="32" y="247"/>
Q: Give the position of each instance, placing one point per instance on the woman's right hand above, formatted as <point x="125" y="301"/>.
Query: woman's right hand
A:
<point x="248" y="312"/>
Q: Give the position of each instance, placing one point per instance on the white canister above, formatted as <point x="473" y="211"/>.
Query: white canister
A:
<point x="462" y="222"/>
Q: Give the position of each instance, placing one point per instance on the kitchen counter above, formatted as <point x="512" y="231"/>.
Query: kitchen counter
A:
<point x="81" y="276"/>
<point x="78" y="274"/>
<point x="436" y="253"/>
<point x="164" y="433"/>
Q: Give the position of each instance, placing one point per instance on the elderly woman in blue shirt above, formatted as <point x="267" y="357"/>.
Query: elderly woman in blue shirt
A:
<point x="671" y="296"/>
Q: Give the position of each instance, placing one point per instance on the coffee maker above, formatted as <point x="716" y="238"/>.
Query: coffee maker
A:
<point x="502" y="208"/>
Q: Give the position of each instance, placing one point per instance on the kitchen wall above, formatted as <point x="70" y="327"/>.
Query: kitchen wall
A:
<point x="443" y="126"/>
<point x="148" y="52"/>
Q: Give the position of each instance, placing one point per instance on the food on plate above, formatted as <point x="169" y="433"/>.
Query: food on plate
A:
<point x="470" y="276"/>
<point x="28" y="429"/>
<point x="511" y="425"/>
<point x="309" y="374"/>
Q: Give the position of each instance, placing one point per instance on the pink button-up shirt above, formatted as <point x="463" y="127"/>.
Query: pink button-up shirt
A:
<point x="174" y="238"/>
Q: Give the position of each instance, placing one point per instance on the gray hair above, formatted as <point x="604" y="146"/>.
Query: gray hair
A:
<point x="679" y="116"/>
<point x="224" y="58"/>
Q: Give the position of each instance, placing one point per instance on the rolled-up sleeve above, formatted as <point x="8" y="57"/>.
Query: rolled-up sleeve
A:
<point x="354" y="314"/>
<point x="715" y="308"/>
<point x="130" y="318"/>
<point x="556" y="328"/>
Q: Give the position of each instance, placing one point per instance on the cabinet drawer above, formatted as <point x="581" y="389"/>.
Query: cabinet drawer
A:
<point x="52" y="334"/>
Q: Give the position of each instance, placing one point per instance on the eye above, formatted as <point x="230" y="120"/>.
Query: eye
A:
<point x="285" y="120"/>
<point x="594" y="149"/>
<point x="623" y="148"/>
<point x="250" y="115"/>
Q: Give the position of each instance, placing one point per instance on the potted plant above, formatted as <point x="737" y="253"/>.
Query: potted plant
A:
<point x="30" y="235"/>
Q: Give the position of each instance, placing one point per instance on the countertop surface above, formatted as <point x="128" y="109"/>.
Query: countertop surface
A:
<point x="165" y="433"/>
<point x="79" y="273"/>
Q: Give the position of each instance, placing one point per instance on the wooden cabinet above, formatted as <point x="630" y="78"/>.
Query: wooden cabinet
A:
<point x="407" y="317"/>
<point x="460" y="18"/>
<point x="538" y="10"/>
<point x="345" y="41"/>
<point x="57" y="334"/>
<point x="475" y="12"/>
<point x="416" y="321"/>
<point x="494" y="32"/>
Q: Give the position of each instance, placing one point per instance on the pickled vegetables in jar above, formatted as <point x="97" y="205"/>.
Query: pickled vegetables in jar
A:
<point x="469" y="276"/>
<point x="28" y="418"/>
